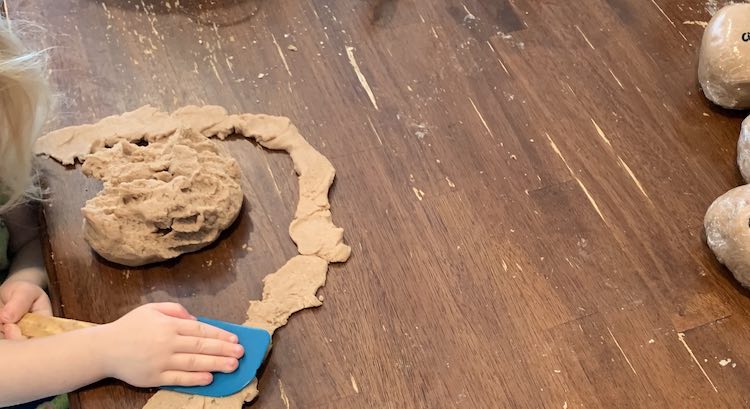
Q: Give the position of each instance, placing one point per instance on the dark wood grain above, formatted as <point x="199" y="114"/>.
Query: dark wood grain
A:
<point x="525" y="203"/>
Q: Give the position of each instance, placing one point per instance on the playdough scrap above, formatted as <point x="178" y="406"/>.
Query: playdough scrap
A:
<point x="174" y="196"/>
<point x="294" y="285"/>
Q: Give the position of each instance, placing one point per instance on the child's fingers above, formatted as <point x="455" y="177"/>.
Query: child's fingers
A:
<point x="13" y="332"/>
<point x="202" y="363"/>
<point x="181" y="378"/>
<point x="19" y="304"/>
<point x="42" y="306"/>
<point x="199" y="329"/>
<point x="208" y="346"/>
<point x="173" y="310"/>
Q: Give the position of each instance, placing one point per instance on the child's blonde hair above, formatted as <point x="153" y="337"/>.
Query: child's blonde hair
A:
<point x="24" y="104"/>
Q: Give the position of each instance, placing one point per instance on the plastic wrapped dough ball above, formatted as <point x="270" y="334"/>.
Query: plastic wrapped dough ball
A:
<point x="724" y="62"/>
<point x="727" y="225"/>
<point x="743" y="150"/>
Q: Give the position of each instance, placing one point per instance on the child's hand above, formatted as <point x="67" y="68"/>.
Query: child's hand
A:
<point x="17" y="297"/>
<point x="162" y="344"/>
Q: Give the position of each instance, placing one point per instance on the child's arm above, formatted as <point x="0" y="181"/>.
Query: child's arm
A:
<point x="25" y="248"/>
<point x="43" y="367"/>
<point x="23" y="290"/>
<point x="153" y="345"/>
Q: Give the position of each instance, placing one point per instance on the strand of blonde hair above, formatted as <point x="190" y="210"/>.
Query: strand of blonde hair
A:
<point x="24" y="105"/>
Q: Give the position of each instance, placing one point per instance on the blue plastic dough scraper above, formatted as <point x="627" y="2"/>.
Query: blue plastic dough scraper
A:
<point x="255" y="341"/>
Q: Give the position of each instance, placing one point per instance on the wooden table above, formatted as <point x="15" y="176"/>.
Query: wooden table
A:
<point x="523" y="191"/>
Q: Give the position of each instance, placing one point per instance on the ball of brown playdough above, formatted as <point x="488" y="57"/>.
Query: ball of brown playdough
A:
<point x="724" y="62"/>
<point x="173" y="196"/>
<point x="727" y="225"/>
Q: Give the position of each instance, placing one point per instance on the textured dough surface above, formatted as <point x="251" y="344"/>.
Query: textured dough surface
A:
<point x="75" y="142"/>
<point x="319" y="241"/>
<point x="727" y="224"/>
<point x="312" y="228"/>
<point x="725" y="58"/>
<point x="174" y="196"/>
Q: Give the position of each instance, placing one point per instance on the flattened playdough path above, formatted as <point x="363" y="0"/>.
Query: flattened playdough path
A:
<point x="290" y="289"/>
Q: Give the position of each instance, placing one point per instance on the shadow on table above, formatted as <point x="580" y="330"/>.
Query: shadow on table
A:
<point x="222" y="13"/>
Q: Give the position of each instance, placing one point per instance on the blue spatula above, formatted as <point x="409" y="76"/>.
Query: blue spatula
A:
<point x="255" y="341"/>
